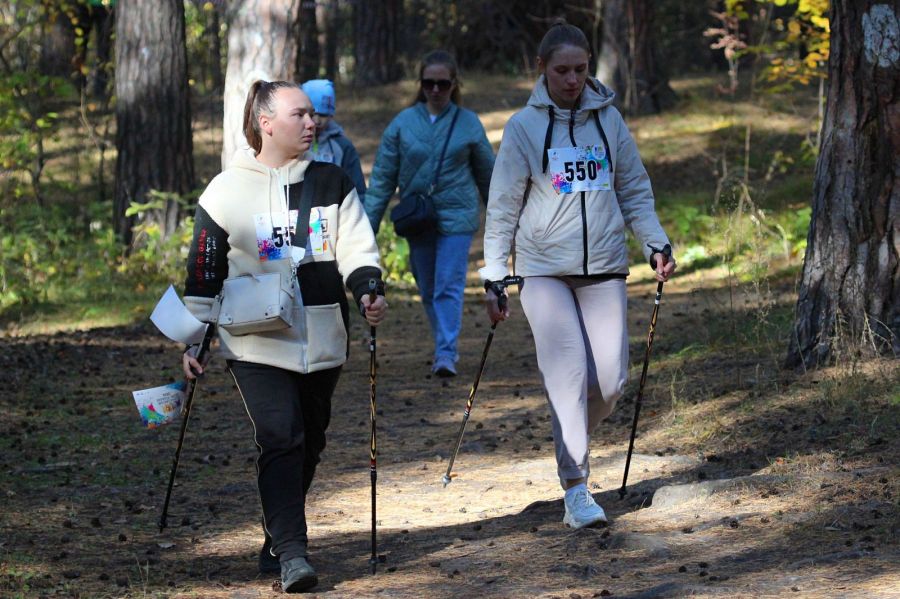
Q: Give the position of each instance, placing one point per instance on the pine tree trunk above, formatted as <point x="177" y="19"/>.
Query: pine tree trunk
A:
<point x="612" y="64"/>
<point x="103" y="23"/>
<point x="849" y="299"/>
<point x="214" y="38"/>
<point x="376" y="27"/>
<point x="629" y="60"/>
<point x="261" y="45"/>
<point x="153" y="114"/>
<point x="308" y="57"/>
<point x="332" y="27"/>
<point x="57" y="56"/>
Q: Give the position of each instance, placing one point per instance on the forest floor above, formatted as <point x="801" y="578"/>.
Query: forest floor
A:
<point x="748" y="480"/>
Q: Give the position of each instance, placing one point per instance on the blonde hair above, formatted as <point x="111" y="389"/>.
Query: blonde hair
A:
<point x="445" y="59"/>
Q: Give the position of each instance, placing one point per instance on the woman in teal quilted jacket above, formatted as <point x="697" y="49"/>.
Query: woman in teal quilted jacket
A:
<point x="408" y="157"/>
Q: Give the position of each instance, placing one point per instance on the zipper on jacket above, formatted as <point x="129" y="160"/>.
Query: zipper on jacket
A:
<point x="584" y="224"/>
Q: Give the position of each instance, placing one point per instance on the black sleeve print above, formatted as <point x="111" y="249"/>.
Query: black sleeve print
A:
<point x="207" y="264"/>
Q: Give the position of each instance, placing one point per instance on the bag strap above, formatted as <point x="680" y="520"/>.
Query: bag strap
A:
<point x="306" y="192"/>
<point x="437" y="173"/>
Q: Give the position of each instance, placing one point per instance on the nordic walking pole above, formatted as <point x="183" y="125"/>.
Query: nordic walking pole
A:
<point x="667" y="251"/>
<point x="373" y="449"/>
<point x="498" y="288"/>
<point x="204" y="347"/>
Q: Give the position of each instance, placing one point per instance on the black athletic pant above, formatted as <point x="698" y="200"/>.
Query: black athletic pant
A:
<point x="289" y="412"/>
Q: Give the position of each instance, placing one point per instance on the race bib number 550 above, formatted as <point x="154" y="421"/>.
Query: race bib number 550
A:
<point x="584" y="168"/>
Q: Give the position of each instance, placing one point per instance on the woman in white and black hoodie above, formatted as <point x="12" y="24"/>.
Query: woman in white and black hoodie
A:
<point x="567" y="182"/>
<point x="286" y="377"/>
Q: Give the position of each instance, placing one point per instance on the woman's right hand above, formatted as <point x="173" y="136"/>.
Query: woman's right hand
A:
<point x="493" y="309"/>
<point x="190" y="364"/>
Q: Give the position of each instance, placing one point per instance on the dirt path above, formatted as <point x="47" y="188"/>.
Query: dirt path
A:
<point x="812" y="510"/>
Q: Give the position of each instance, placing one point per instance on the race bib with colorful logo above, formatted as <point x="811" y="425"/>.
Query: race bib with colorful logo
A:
<point x="272" y="235"/>
<point x="318" y="233"/>
<point x="584" y="168"/>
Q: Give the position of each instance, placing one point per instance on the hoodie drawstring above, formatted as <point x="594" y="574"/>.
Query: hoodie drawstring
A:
<point x="605" y="141"/>
<point x="547" y="139"/>
<point x="572" y="126"/>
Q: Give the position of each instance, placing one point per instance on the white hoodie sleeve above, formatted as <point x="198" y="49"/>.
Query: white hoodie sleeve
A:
<point x="356" y="246"/>
<point x="635" y="195"/>
<point x="508" y="183"/>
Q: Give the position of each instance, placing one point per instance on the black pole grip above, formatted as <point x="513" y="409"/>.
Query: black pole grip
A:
<point x="665" y="251"/>
<point x="499" y="288"/>
<point x="373" y="295"/>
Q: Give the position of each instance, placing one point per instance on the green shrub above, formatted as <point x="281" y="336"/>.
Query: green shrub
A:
<point x="155" y="257"/>
<point x="394" y="256"/>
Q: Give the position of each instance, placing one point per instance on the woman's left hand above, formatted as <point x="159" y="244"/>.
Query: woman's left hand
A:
<point x="665" y="266"/>
<point x="374" y="311"/>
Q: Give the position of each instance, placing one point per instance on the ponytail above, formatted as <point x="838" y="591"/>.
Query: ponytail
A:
<point x="260" y="100"/>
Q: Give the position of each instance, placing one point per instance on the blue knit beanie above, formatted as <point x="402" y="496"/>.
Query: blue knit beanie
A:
<point x="321" y="94"/>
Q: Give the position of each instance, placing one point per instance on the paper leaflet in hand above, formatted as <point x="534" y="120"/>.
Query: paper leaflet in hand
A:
<point x="175" y="321"/>
<point x="159" y="405"/>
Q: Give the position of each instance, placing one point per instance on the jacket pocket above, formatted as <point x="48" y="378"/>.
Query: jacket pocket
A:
<point x="326" y="336"/>
<point x="531" y="221"/>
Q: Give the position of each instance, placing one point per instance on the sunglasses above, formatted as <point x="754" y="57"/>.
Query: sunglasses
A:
<point x="442" y="84"/>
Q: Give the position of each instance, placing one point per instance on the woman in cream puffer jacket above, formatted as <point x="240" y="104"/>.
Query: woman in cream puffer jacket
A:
<point x="567" y="182"/>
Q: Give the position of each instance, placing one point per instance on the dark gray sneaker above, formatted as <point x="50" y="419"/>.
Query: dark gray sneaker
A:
<point x="444" y="367"/>
<point x="297" y="575"/>
<point x="268" y="563"/>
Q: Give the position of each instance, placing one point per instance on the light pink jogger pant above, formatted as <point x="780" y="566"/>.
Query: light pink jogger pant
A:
<point x="581" y="339"/>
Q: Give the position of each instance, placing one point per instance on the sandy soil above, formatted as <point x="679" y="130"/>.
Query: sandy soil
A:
<point x="812" y="510"/>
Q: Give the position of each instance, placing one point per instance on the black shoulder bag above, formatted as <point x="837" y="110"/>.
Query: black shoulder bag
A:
<point x="414" y="214"/>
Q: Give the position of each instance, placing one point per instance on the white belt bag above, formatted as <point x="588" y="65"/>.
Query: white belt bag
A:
<point x="256" y="304"/>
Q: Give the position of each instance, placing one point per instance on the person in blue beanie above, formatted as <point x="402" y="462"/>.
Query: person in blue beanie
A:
<point x="410" y="157"/>
<point x="331" y="145"/>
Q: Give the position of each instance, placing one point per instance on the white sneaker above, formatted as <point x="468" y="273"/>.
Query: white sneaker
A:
<point x="581" y="509"/>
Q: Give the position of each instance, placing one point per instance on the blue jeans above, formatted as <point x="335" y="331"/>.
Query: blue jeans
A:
<point x="439" y="264"/>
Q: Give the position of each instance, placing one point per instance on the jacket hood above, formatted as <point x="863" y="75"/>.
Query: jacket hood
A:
<point x="594" y="96"/>
<point x="291" y="172"/>
<point x="331" y="130"/>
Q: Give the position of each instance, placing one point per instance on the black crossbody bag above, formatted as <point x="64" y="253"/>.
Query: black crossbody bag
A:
<point x="414" y="214"/>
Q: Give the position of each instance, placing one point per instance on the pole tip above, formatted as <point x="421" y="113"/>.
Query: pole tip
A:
<point x="446" y="480"/>
<point x="374" y="561"/>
